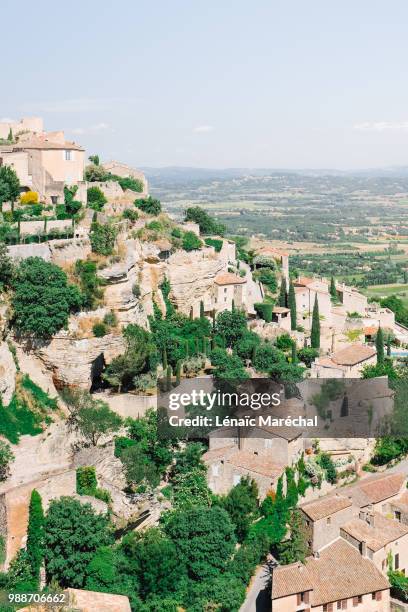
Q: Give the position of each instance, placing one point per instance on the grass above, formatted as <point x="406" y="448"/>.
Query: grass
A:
<point x="380" y="291"/>
<point x="27" y="411"/>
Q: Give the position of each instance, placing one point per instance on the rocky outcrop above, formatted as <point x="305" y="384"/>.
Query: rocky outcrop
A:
<point x="7" y="374"/>
<point x="79" y="362"/>
<point x="192" y="276"/>
<point x="58" y="251"/>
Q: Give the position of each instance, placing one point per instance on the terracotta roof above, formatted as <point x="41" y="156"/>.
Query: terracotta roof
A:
<point x="255" y="463"/>
<point x="340" y="572"/>
<point x="374" y="489"/>
<point x="402" y="502"/>
<point x="376" y="536"/>
<point x="43" y="143"/>
<point x="227" y="278"/>
<point x="326" y="506"/>
<point x="217" y="453"/>
<point x="303" y="281"/>
<point x="268" y="250"/>
<point x="351" y="355"/>
<point x="369" y="331"/>
<point x="280" y="309"/>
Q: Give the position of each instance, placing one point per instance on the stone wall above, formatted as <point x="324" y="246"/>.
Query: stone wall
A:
<point x="58" y="251"/>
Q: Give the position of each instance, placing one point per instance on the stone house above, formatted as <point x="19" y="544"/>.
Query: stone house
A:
<point x="323" y="519"/>
<point x="345" y="363"/>
<point x="44" y="163"/>
<point x="124" y="171"/>
<point x="281" y="316"/>
<point x="261" y="454"/>
<point x="337" y="578"/>
<point x="377" y="537"/>
<point x="26" y="125"/>
<point x="229" y="289"/>
<point x="376" y="492"/>
<point x="352" y="300"/>
<point x="398" y="508"/>
<point x="306" y="290"/>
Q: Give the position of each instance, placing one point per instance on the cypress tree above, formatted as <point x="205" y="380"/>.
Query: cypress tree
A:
<point x="315" y="331"/>
<point x="10" y="135"/>
<point x="201" y="309"/>
<point x="164" y="358"/>
<point x="333" y="291"/>
<point x="282" y="293"/>
<point x="379" y="345"/>
<point x="389" y="346"/>
<point x="295" y="547"/>
<point x="196" y="346"/>
<point x="191" y="313"/>
<point x="168" y="378"/>
<point x="178" y="373"/>
<point x="35" y="534"/>
<point x="292" y="306"/>
<point x="294" y="352"/>
<point x="213" y="320"/>
<point x="233" y="306"/>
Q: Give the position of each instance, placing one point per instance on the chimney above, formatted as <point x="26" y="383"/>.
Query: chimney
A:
<point x="316" y="554"/>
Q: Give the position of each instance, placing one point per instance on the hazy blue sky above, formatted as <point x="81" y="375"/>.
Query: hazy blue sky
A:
<point x="215" y="83"/>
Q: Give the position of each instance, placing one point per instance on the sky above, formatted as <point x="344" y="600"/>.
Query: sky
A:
<point x="215" y="83"/>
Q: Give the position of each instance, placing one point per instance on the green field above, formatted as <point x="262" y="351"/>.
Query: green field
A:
<point x="381" y="291"/>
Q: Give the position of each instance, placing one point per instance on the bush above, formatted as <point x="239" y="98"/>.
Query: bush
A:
<point x="217" y="244"/>
<point x="149" y="205"/>
<point x="207" y="224"/>
<point x="103" y="495"/>
<point x="191" y="242"/>
<point x="143" y="382"/>
<point x="122" y="443"/>
<point x="264" y="310"/>
<point x="6" y="458"/>
<point x="102" y="238"/>
<point x="130" y="214"/>
<point x="128" y="182"/>
<point x="86" y="481"/>
<point x="99" y="330"/>
<point x="29" y="197"/>
<point x="95" y="198"/>
<point x="110" y="319"/>
<point x="136" y="290"/>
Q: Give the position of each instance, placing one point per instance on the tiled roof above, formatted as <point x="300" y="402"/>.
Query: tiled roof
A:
<point x="43" y="143"/>
<point x="268" y="250"/>
<point x="374" y="489"/>
<point x="339" y="573"/>
<point x="376" y="536"/>
<point x="402" y="502"/>
<point x="351" y="355"/>
<point x="255" y="463"/>
<point x="326" y="506"/>
<point x="280" y="309"/>
<point x="303" y="281"/>
<point x="227" y="278"/>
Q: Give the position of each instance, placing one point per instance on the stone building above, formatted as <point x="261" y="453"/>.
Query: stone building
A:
<point x="377" y="537"/>
<point x="44" y="162"/>
<point x="229" y="289"/>
<point x="337" y="578"/>
<point x="345" y="363"/>
<point x="323" y="519"/>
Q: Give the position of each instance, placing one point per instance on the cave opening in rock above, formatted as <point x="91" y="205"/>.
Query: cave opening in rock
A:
<point x="98" y="366"/>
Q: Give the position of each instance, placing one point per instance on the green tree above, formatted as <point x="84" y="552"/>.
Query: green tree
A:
<point x="6" y="458"/>
<point x="231" y="325"/>
<point x="241" y="503"/>
<point x="191" y="242"/>
<point x="379" y="345"/>
<point x="102" y="238"/>
<point x="95" y="198"/>
<point x="333" y="291"/>
<point x="35" y="534"/>
<point x="139" y="468"/>
<point x="267" y="356"/>
<point x="244" y="346"/>
<point x="7" y="268"/>
<point x="282" y="299"/>
<point x="307" y="355"/>
<point x="149" y="205"/>
<point x="73" y="533"/>
<point x="389" y="346"/>
<point x="91" y="417"/>
<point x="54" y="299"/>
<point x="152" y="559"/>
<point x="204" y="539"/>
<point x="228" y="367"/>
<point x="109" y="572"/>
<point x="207" y="224"/>
<point x="292" y="306"/>
<point x="9" y="185"/>
<point x="94" y="159"/>
<point x="122" y="370"/>
<point x="295" y="547"/>
<point x="315" y="331"/>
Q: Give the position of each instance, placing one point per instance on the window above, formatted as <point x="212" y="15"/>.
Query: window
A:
<point x="328" y="607"/>
<point x="268" y="443"/>
<point x="328" y="520"/>
<point x="357" y="600"/>
<point x="68" y="155"/>
<point x="397" y="515"/>
<point x="303" y="597"/>
<point x="342" y="605"/>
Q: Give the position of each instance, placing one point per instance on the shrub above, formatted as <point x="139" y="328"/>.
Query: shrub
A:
<point x="136" y="290"/>
<point x="191" y="242"/>
<point x="264" y="310"/>
<point x="95" y="198"/>
<point x="217" y="244"/>
<point x="86" y="481"/>
<point x="102" y="238"/>
<point x="128" y="182"/>
<point x="29" y="197"/>
<point x="99" y="330"/>
<point x="131" y="214"/>
<point x="110" y="319"/>
<point x="103" y="495"/>
<point x="143" y="382"/>
<point x="176" y="232"/>
<point x="207" y="224"/>
<point x="149" y="205"/>
<point x="6" y="458"/>
<point x="121" y="443"/>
